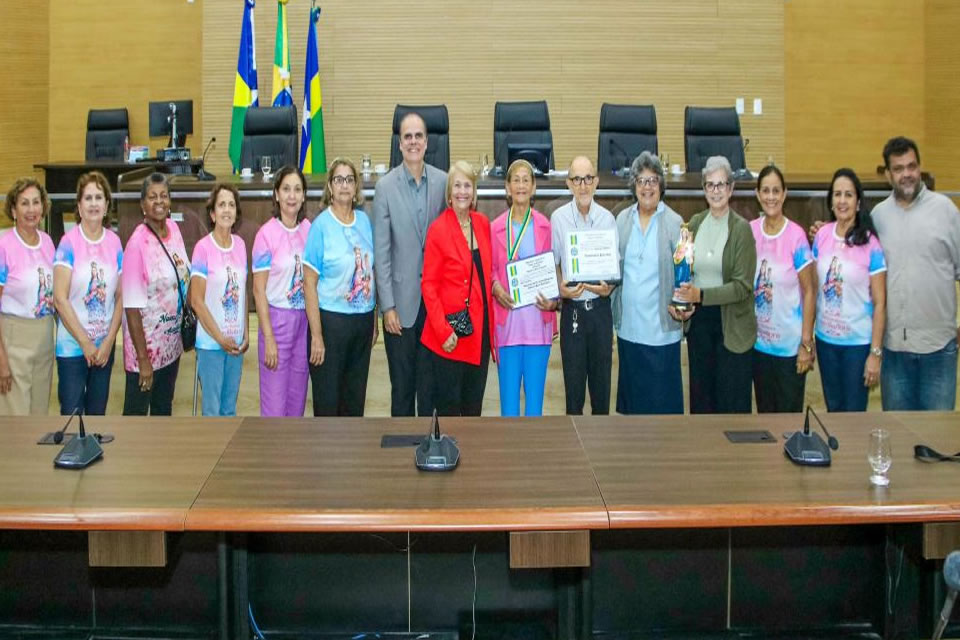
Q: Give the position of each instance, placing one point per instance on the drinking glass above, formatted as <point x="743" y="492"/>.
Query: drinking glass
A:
<point x="265" y="164"/>
<point x="879" y="456"/>
<point x="366" y="164"/>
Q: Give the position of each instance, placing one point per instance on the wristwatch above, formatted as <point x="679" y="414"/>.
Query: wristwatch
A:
<point x="807" y="347"/>
<point x="877" y="351"/>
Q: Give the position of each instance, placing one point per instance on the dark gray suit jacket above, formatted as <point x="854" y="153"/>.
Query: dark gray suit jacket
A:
<point x="398" y="241"/>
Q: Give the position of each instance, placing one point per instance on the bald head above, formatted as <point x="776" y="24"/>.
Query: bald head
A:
<point x="582" y="165"/>
<point x="582" y="182"/>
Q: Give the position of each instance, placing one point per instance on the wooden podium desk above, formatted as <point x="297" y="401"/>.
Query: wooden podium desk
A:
<point x="762" y="545"/>
<point x="147" y="480"/>
<point x="681" y="471"/>
<point x="333" y="475"/>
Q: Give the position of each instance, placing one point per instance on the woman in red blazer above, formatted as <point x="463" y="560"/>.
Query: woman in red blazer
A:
<point x="456" y="268"/>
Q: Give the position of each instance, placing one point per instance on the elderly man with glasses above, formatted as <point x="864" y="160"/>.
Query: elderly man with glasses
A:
<point x="586" y="322"/>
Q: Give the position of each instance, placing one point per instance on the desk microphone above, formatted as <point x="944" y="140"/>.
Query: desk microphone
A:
<point x="437" y="452"/>
<point x="81" y="451"/>
<point x="202" y="173"/>
<point x="809" y="449"/>
<point x="951" y="576"/>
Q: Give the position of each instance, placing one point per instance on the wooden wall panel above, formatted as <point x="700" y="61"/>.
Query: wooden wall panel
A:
<point x="23" y="75"/>
<point x="121" y="54"/>
<point x="939" y="155"/>
<point x="854" y="78"/>
<point x="376" y="54"/>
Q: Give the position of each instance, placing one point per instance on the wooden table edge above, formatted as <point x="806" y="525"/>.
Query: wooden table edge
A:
<point x="708" y="516"/>
<point x="203" y="519"/>
<point x="93" y="519"/>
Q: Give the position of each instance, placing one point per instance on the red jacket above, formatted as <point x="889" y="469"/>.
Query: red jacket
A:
<point x="446" y="273"/>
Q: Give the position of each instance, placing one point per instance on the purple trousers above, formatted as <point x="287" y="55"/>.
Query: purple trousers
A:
<point x="283" y="391"/>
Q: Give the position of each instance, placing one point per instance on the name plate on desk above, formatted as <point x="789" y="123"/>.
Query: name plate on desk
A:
<point x="591" y="256"/>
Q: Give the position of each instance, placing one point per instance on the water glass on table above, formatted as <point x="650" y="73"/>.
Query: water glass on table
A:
<point x="880" y="457"/>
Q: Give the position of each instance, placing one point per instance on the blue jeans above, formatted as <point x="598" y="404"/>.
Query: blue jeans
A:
<point x="80" y="385"/>
<point x="526" y="365"/>
<point x="220" y="381"/>
<point x="841" y="372"/>
<point x="919" y="381"/>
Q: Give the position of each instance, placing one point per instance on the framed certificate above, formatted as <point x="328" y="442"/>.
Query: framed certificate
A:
<point x="591" y="256"/>
<point x="530" y="276"/>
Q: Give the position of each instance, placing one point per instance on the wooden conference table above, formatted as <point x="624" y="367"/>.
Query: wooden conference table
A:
<point x="272" y="513"/>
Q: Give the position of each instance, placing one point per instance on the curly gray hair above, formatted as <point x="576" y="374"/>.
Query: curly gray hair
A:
<point x="644" y="161"/>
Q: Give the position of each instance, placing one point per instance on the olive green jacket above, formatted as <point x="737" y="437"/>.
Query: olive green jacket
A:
<point x="735" y="296"/>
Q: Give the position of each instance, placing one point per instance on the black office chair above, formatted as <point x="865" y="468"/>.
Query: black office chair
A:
<point x="438" y="134"/>
<point x="270" y="131"/>
<point x="712" y="131"/>
<point x="516" y="123"/>
<point x="106" y="131"/>
<point x="626" y="131"/>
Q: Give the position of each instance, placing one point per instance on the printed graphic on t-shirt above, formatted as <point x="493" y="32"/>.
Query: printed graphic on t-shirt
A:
<point x="295" y="290"/>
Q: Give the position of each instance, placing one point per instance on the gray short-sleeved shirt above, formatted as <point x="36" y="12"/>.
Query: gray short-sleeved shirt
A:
<point x="921" y="243"/>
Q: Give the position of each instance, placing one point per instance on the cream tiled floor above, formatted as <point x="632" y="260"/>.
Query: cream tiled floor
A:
<point x="378" y="387"/>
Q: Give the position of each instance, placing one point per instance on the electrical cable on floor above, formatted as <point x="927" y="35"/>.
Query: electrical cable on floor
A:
<point x="473" y="609"/>
<point x="253" y="623"/>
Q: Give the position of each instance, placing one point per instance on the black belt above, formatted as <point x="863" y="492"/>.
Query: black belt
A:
<point x="586" y="305"/>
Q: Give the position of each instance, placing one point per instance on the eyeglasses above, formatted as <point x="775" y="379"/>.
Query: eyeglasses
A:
<point x="343" y="180"/>
<point x="715" y="186"/>
<point x="579" y="180"/>
<point x="650" y="181"/>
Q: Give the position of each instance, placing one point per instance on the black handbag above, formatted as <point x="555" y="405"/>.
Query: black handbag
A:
<point x="188" y="319"/>
<point x="460" y="320"/>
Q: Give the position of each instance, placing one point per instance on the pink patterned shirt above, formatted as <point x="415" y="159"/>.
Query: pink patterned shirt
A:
<point x="150" y="285"/>
<point x="26" y="275"/>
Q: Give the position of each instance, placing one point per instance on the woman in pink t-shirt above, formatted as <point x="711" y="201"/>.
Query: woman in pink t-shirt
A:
<point x="785" y="299"/>
<point x="154" y="280"/>
<point x="218" y="295"/>
<point x="278" y="294"/>
<point x="26" y="303"/>
<point x="86" y="291"/>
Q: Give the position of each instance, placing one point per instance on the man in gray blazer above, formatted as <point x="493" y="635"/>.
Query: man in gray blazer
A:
<point x="406" y="201"/>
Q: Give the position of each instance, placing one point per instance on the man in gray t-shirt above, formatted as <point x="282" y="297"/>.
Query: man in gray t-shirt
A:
<point x="920" y="234"/>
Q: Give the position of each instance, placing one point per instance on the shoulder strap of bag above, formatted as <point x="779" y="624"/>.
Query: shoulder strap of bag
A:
<point x="176" y="273"/>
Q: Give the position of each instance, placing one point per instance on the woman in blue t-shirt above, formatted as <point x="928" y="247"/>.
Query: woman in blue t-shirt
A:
<point x="340" y="296"/>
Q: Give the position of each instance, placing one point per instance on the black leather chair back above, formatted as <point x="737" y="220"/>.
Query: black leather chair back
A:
<point x="626" y="130"/>
<point x="438" y="134"/>
<point x="270" y="131"/>
<point x="520" y="122"/>
<point x="712" y="131"/>
<point x="106" y="131"/>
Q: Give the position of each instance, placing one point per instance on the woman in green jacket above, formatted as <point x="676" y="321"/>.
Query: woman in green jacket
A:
<point x="723" y="326"/>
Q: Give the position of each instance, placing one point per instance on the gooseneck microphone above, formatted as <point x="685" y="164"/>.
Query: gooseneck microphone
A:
<point x="81" y="451"/>
<point x="58" y="436"/>
<point x="951" y="576"/>
<point x="808" y="448"/>
<point x="437" y="452"/>
<point x="202" y="174"/>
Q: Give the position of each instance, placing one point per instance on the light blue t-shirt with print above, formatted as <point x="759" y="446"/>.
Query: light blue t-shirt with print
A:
<point x="342" y="256"/>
